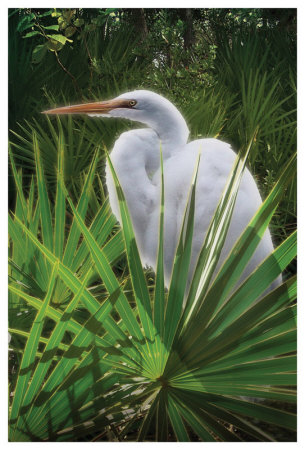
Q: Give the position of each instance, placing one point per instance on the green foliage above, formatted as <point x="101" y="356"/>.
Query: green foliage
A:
<point x="94" y="360"/>
<point x="66" y="23"/>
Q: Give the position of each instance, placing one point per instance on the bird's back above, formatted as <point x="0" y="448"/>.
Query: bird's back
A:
<point x="136" y="160"/>
<point x="216" y="162"/>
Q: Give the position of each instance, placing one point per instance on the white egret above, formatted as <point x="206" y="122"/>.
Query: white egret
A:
<point x="136" y="159"/>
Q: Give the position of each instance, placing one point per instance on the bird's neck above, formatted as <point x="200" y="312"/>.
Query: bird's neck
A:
<point x="171" y="129"/>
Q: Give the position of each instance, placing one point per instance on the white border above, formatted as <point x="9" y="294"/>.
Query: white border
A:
<point x="301" y="189"/>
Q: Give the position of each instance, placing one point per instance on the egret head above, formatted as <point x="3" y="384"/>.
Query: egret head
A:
<point x="141" y="106"/>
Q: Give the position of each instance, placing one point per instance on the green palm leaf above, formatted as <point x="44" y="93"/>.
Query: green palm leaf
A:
<point x="179" y="370"/>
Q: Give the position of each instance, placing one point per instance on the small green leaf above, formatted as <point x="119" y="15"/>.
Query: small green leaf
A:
<point x="79" y="22"/>
<point x="52" y="27"/>
<point x="62" y="24"/>
<point x="54" y="46"/>
<point x="30" y="34"/>
<point x="58" y="38"/>
<point x="39" y="53"/>
<point x="69" y="31"/>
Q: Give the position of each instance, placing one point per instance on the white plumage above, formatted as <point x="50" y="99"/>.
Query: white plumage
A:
<point x="136" y="159"/>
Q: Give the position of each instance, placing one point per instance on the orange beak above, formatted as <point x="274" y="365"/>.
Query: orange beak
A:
<point x="91" y="108"/>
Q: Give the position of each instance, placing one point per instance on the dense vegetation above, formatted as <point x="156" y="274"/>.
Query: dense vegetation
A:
<point x="99" y="350"/>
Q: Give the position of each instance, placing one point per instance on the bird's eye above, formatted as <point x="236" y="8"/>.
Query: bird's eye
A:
<point x="132" y="103"/>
